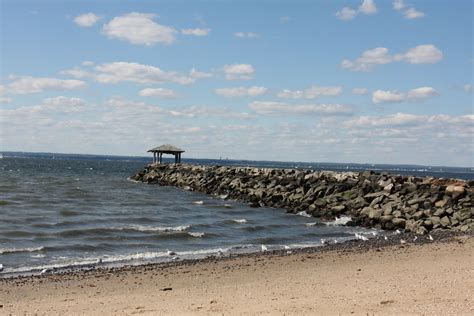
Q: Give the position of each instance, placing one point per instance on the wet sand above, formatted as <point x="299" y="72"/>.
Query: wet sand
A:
<point x="379" y="277"/>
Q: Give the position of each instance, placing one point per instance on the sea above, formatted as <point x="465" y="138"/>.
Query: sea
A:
<point x="60" y="212"/>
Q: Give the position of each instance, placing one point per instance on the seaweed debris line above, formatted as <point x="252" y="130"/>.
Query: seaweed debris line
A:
<point x="370" y="199"/>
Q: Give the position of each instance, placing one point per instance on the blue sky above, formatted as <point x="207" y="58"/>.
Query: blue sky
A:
<point x="340" y="81"/>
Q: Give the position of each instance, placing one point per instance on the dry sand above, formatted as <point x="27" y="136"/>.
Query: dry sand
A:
<point x="422" y="279"/>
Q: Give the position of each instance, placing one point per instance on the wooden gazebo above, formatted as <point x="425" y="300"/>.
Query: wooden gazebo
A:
<point x="166" y="149"/>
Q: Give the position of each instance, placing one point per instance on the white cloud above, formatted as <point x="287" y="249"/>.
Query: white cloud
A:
<point x="139" y="28"/>
<point x="418" y="94"/>
<point x="239" y="72"/>
<point x="241" y="92"/>
<point x="246" y="34"/>
<point x="63" y="104"/>
<point x="196" y="32"/>
<point x="399" y="5"/>
<point x="86" y="20"/>
<point x="56" y="105"/>
<point x="87" y="63"/>
<point x="161" y="93"/>
<point x="199" y="74"/>
<point x="134" y="72"/>
<point x="398" y="119"/>
<point x="360" y="91"/>
<point x="347" y="13"/>
<point x="368" y="59"/>
<point x="409" y="120"/>
<point x="279" y="108"/>
<point x="412" y="13"/>
<point x="467" y="88"/>
<point x="421" y="93"/>
<point x="207" y="111"/>
<point x="4" y="100"/>
<point x="312" y="92"/>
<point x="421" y="54"/>
<point x="120" y="71"/>
<point x="380" y="96"/>
<point x="77" y="72"/>
<point x="368" y="7"/>
<point x="28" y="84"/>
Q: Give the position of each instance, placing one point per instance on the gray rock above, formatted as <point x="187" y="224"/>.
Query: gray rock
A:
<point x="445" y="222"/>
<point x="421" y="230"/>
<point x="338" y="208"/>
<point x="397" y="214"/>
<point x="399" y="222"/>
<point x="439" y="212"/>
<point x="358" y="202"/>
<point x="375" y="213"/>
<point x="387" y="209"/>
<point x="415" y="201"/>
<point x="435" y="220"/>
<point x="418" y="215"/>
<point x="386" y="218"/>
<point x="463" y="214"/>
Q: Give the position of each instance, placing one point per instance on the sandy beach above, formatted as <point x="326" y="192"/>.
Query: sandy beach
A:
<point x="433" y="277"/>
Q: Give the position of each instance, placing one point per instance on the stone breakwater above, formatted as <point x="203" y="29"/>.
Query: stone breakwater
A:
<point x="371" y="199"/>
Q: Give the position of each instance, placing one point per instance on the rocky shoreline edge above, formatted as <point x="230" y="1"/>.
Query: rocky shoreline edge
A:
<point x="379" y="200"/>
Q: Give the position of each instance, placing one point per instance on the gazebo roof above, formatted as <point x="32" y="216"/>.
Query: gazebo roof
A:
<point x="167" y="149"/>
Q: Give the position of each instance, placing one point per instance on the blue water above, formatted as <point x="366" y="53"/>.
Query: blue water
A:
<point x="69" y="211"/>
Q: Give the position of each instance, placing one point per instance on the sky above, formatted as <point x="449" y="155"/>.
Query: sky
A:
<point x="350" y="81"/>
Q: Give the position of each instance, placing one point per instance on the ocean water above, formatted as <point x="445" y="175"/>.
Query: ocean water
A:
<point x="60" y="211"/>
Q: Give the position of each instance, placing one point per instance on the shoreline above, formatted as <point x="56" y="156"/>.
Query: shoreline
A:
<point x="354" y="245"/>
<point x="184" y="277"/>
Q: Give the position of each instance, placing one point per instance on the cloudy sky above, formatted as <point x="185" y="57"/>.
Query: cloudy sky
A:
<point x="335" y="81"/>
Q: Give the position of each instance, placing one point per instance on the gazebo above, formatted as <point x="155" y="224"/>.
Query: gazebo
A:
<point x="166" y="149"/>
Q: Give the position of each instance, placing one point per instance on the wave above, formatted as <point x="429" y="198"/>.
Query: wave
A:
<point x="160" y="229"/>
<point x="303" y="213"/>
<point x="343" y="220"/>
<point x="108" y="230"/>
<point x="196" y="235"/>
<point x="15" y="250"/>
<point x="113" y="260"/>
<point x="314" y="224"/>
<point x="240" y="221"/>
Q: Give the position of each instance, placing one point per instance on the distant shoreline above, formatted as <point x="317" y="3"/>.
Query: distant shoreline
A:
<point x="466" y="173"/>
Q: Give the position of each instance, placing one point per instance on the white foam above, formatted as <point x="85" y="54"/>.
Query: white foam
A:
<point x="161" y="229"/>
<point x="343" y="220"/>
<point x="240" y="221"/>
<point x="14" y="250"/>
<point x="303" y="213"/>
<point x="198" y="202"/>
<point x="196" y="235"/>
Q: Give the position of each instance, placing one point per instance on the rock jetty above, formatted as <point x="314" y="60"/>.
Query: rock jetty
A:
<point x="371" y="199"/>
